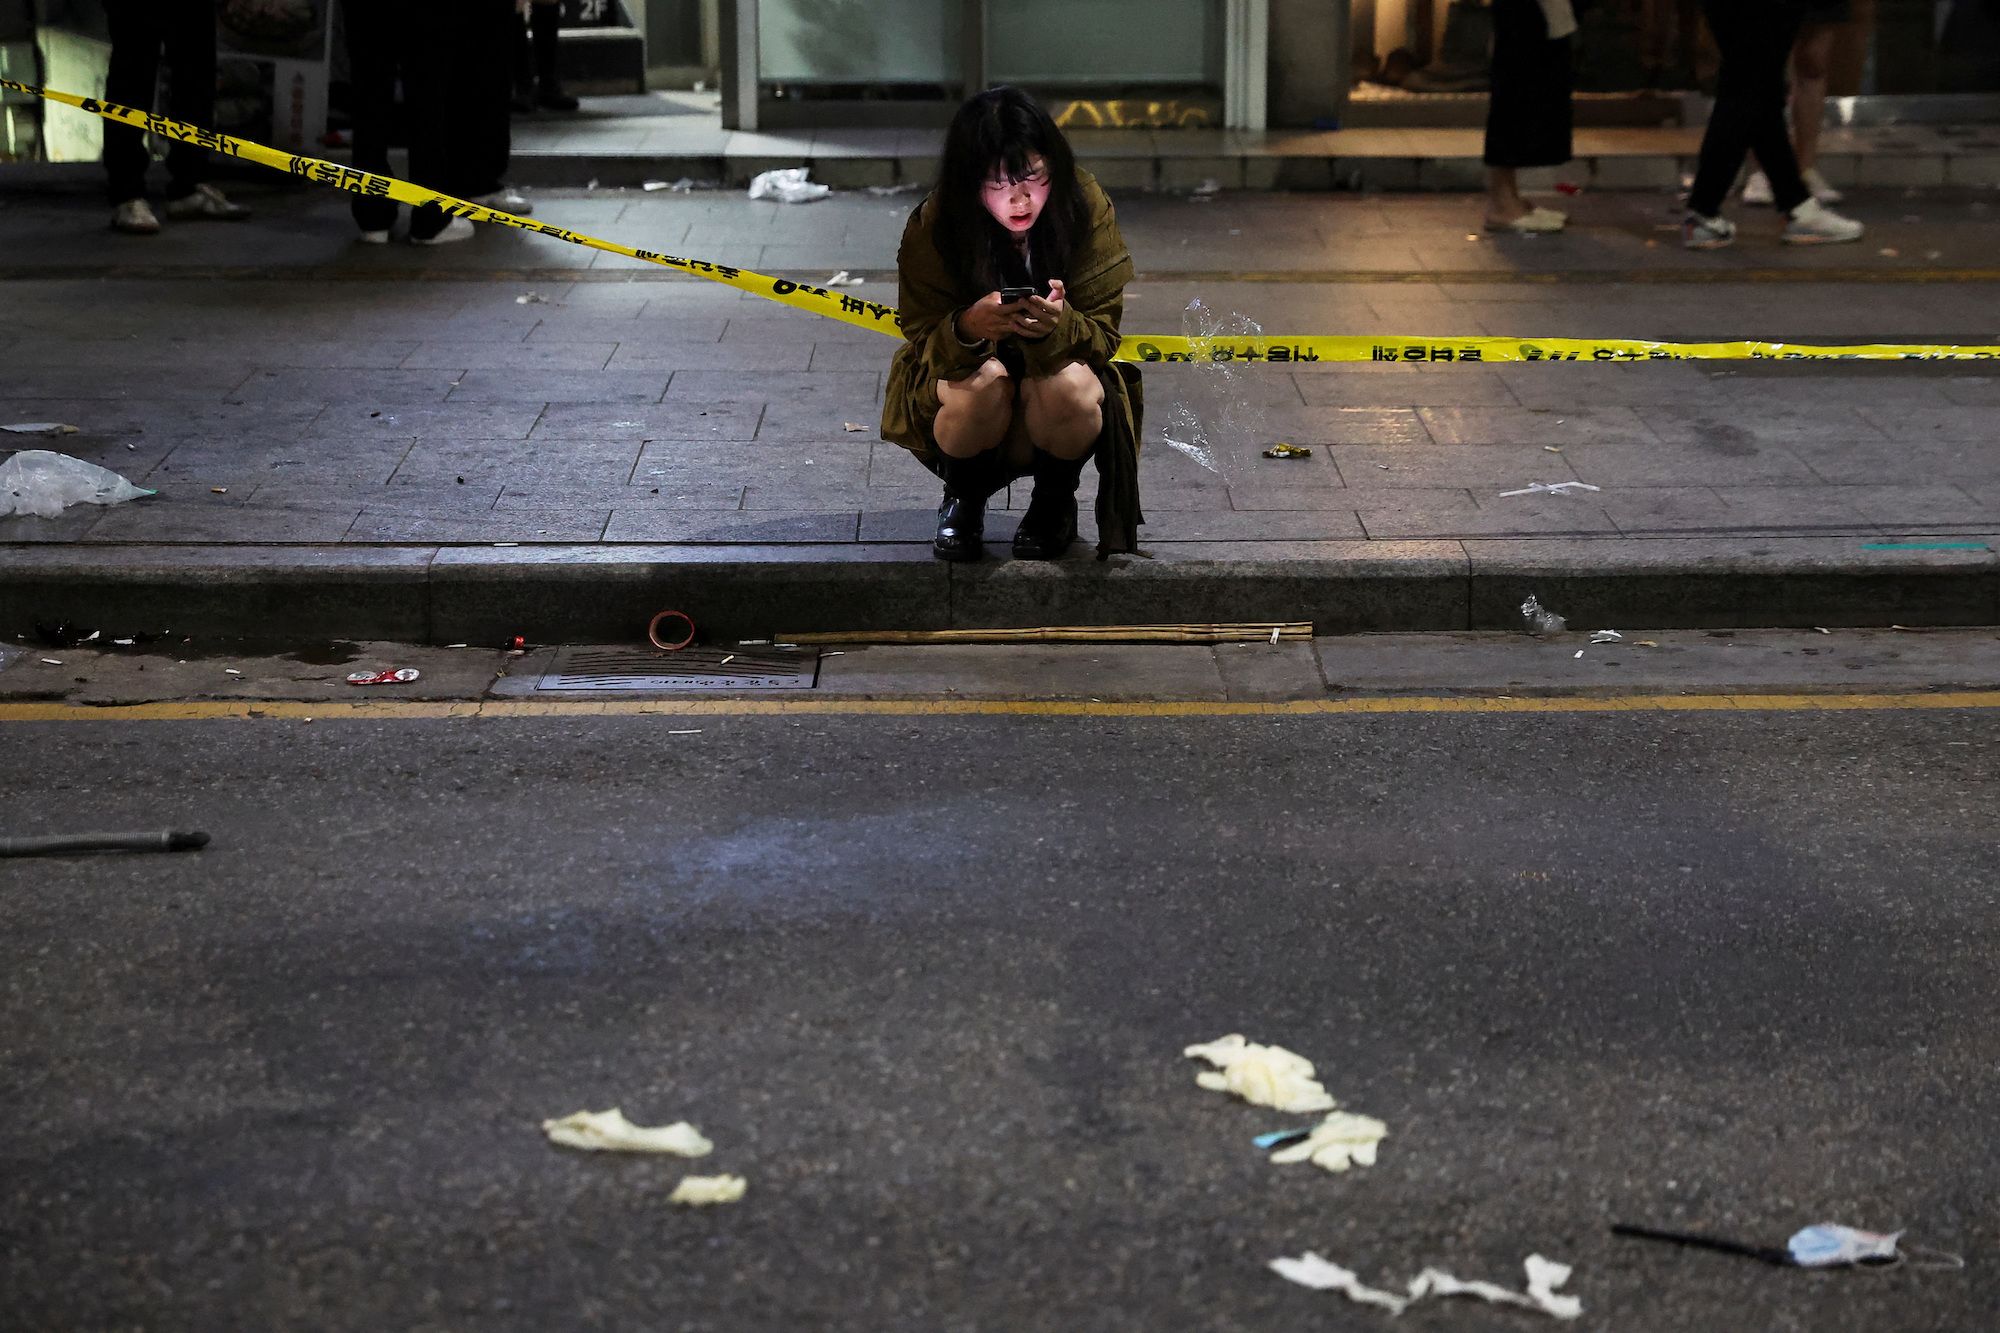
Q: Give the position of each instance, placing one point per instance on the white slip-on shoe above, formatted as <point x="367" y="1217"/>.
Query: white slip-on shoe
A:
<point x="458" y="229"/>
<point x="375" y="237"/>
<point x="135" y="217"/>
<point x="1536" y="221"/>
<point x="1813" y="223"/>
<point x="1700" y="233"/>
<point x="1821" y="189"/>
<point x="1757" y="190"/>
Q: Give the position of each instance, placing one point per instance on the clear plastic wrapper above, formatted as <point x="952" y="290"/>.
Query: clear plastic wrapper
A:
<point x="1539" y="620"/>
<point x="44" y="483"/>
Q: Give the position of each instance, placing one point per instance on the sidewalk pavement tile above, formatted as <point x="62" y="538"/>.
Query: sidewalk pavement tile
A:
<point x="202" y="383"/>
<point x="759" y="527"/>
<point x="640" y="353"/>
<point x="539" y="525"/>
<point x="1972" y="391"/>
<point x="850" y="355"/>
<point x="1537" y="426"/>
<point x="297" y="463"/>
<point x="216" y="354"/>
<point x="816" y="417"/>
<point x="476" y="421"/>
<point x="1487" y="468"/>
<point x="1920" y="424"/>
<point x="1164" y="524"/>
<point x="223" y="522"/>
<point x="1737" y="432"/>
<point x="665" y="421"/>
<point x="794" y="494"/>
<point x="1916" y="506"/>
<point x="377" y="388"/>
<point x="1619" y="465"/>
<point x="1260" y="672"/>
<point x="1251" y="496"/>
<point x="1353" y="386"/>
<point x="724" y="386"/>
<point x="635" y="496"/>
<point x="1348" y="425"/>
<point x="1451" y="514"/>
<point x="489" y="355"/>
<point x="1916" y="462"/>
<point x="560" y="386"/>
<point x="1764" y="509"/>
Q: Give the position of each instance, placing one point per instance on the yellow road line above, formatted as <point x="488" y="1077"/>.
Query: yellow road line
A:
<point x="417" y="710"/>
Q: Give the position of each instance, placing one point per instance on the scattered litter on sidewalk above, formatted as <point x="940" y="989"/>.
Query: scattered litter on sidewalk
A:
<point x="610" y="1131"/>
<point x="1336" y="1143"/>
<point x="685" y="185"/>
<point x="532" y="298"/>
<point x="231" y="671"/>
<point x="1578" y="653"/>
<point x="1288" y="451"/>
<point x="788" y="185"/>
<point x="851" y="427"/>
<point x="1890" y="252"/>
<point x="1822" y="1245"/>
<point x="1209" y="186"/>
<point x="1262" y="1075"/>
<point x="1540" y="621"/>
<point x="1550" y="488"/>
<point x="43" y="483"/>
<point x="1552" y="448"/>
<point x="166" y="840"/>
<point x="887" y="191"/>
<point x="696" y="732"/>
<point x="39" y="428"/>
<point x="1822" y="629"/>
<point x="1544" y="1276"/>
<point x="397" y="676"/>
<point x="218" y="490"/>
<point x="1569" y="189"/>
<point x="700" y="1191"/>
<point x="1275" y="631"/>
<point x="52" y="661"/>
<point x="843" y="279"/>
<point x="1223" y="407"/>
<point x="1607" y="636"/>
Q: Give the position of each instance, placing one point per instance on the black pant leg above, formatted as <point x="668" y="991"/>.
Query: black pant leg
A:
<point x="190" y="46"/>
<point x="432" y="46"/>
<point x="1529" y="116"/>
<point x="483" y="96"/>
<point x="370" y="26"/>
<point x="1756" y="43"/>
<point x="136" y="36"/>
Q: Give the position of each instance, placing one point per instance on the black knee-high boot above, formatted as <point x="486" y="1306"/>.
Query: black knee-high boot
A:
<point x="1049" y="526"/>
<point x="968" y="484"/>
<point x="545" y="22"/>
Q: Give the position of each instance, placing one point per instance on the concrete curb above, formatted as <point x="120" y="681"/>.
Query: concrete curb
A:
<point x="607" y="593"/>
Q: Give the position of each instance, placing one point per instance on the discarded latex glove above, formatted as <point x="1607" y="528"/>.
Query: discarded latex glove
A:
<point x="788" y="186"/>
<point x="700" y="1191"/>
<point x="610" y="1131"/>
<point x="1544" y="1276"/>
<point x="1263" y="1075"/>
<point x="1336" y="1143"/>
<point x="44" y="483"/>
<point x="1310" y="1270"/>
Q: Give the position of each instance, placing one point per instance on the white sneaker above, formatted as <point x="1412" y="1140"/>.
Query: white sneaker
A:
<point x="506" y="199"/>
<point x="1757" y="190"/>
<point x="1821" y="190"/>
<point x="458" y="229"/>
<point x="206" y="204"/>
<point x="1700" y="233"/>
<point x="375" y="237"/>
<point x="1813" y="223"/>
<point x="135" y="217"/>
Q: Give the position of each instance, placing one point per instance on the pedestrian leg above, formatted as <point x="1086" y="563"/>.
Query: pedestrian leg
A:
<point x="133" y="80"/>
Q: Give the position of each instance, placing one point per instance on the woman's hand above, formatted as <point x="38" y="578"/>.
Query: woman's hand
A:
<point x="987" y="319"/>
<point x="1037" y="317"/>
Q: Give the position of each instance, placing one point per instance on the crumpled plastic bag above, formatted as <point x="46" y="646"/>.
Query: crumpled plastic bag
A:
<point x="700" y="1191"/>
<point x="1336" y="1143"/>
<point x="44" y="483"/>
<point x="1262" y="1075"/>
<point x="610" y="1131"/>
<point x="788" y="185"/>
<point x="1544" y="1276"/>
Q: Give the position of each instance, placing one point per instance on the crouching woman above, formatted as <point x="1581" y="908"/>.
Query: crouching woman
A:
<point x="1012" y="275"/>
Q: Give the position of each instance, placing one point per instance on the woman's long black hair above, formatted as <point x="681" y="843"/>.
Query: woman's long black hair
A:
<point x="995" y="133"/>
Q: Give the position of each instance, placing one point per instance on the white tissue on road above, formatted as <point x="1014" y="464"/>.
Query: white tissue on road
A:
<point x="1544" y="1276"/>
<point x="610" y="1131"/>
<point x="1310" y="1270"/>
<point x="1336" y="1143"/>
<point x="843" y="279"/>
<point x="1263" y="1075"/>
<point x="1546" y="488"/>
<point x="699" y="1191"/>
<point x="788" y="185"/>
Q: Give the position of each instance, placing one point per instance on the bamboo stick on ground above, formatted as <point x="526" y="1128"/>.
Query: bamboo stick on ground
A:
<point x="1291" y="631"/>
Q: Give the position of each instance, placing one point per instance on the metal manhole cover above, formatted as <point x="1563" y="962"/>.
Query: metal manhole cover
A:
<point x="643" y="670"/>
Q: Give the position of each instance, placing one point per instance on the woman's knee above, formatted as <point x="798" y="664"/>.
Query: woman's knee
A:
<point x="974" y="413"/>
<point x="1066" y="410"/>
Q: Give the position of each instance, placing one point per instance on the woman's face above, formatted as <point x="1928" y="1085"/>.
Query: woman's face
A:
<point x="1015" y="202"/>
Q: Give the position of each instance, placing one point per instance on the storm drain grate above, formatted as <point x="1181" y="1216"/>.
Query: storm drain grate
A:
<point x="642" y="670"/>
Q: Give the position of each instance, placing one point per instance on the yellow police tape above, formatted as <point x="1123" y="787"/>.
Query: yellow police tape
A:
<point x="883" y="319"/>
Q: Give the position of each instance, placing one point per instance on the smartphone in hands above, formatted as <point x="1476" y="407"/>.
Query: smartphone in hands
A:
<point x="1015" y="295"/>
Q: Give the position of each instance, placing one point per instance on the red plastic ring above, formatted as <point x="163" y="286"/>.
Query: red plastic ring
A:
<point x="653" y="631"/>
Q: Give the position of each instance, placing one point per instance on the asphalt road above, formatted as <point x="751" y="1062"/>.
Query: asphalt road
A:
<point x="926" y="982"/>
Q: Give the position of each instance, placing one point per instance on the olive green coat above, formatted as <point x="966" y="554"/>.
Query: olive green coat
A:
<point x="930" y="298"/>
